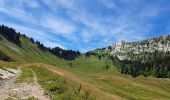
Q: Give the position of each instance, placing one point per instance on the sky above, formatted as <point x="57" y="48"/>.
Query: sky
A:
<point x="86" y="24"/>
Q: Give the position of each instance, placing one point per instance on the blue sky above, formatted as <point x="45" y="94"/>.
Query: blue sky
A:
<point x="86" y="24"/>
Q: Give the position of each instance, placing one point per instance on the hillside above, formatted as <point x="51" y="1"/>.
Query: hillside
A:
<point x="91" y="76"/>
<point x="27" y="52"/>
<point x="149" y="57"/>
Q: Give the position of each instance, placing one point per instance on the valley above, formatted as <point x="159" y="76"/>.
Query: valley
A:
<point x="110" y="84"/>
<point x="84" y="49"/>
<point x="44" y="74"/>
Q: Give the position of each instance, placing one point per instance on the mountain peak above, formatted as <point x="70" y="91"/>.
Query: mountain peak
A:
<point x="123" y="49"/>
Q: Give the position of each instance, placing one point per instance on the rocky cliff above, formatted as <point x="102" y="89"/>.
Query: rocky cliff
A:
<point x="123" y="50"/>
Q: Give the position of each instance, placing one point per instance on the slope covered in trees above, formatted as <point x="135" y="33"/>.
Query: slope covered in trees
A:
<point x="10" y="34"/>
<point x="151" y="64"/>
<point x="155" y="64"/>
<point x="66" y="54"/>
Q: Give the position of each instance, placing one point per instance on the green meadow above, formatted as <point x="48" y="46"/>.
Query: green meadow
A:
<point x="85" y="78"/>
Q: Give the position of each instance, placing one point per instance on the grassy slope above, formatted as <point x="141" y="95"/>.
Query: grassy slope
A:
<point x="141" y="88"/>
<point x="28" y="52"/>
<point x="89" y="70"/>
<point x="57" y="86"/>
<point x="101" y="52"/>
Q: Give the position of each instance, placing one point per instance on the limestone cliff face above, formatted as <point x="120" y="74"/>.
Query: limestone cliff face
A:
<point x="123" y="49"/>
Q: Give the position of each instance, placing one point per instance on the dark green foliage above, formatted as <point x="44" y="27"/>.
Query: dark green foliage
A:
<point x="70" y="64"/>
<point x="90" y="53"/>
<point x="109" y="47"/>
<point x="32" y="40"/>
<point x="107" y="64"/>
<point x="58" y="89"/>
<point x="77" y="91"/>
<point x="10" y="34"/>
<point x="107" y="67"/>
<point x="59" y="52"/>
<point x="87" y="54"/>
<point x="66" y="54"/>
<point x="155" y="64"/>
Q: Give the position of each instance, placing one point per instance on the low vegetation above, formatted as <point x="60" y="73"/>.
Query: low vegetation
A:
<point x="96" y="73"/>
<point x="108" y="83"/>
<point x="56" y="86"/>
<point x="4" y="57"/>
<point x="154" y="64"/>
<point x="26" y="76"/>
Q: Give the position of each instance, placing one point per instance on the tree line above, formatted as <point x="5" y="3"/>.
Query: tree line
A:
<point x="155" y="64"/>
<point x="59" y="52"/>
<point x="66" y="54"/>
<point x="11" y="35"/>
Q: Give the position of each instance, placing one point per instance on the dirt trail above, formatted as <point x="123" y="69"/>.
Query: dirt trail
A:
<point x="75" y="78"/>
<point x="17" y="91"/>
<point x="35" y="77"/>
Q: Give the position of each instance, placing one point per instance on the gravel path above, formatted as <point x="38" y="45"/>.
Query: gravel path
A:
<point x="18" y="91"/>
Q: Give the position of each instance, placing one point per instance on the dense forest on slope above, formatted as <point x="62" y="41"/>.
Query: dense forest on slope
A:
<point x="59" y="52"/>
<point x="10" y="34"/>
<point x="66" y="54"/>
<point x="155" y="64"/>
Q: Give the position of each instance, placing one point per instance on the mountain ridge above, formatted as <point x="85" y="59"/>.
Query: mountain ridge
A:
<point x="150" y="57"/>
<point x="122" y="49"/>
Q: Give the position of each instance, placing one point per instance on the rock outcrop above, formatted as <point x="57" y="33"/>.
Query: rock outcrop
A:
<point x="123" y="49"/>
<point x="7" y="73"/>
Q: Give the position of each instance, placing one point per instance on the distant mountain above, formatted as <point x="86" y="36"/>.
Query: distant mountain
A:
<point x="123" y="50"/>
<point x="147" y="57"/>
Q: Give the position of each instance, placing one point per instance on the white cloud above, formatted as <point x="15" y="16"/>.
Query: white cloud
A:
<point x="25" y="30"/>
<point x="150" y="11"/>
<point x="53" y="44"/>
<point x="54" y="4"/>
<point x="14" y="12"/>
<point x="58" y="25"/>
<point x="36" y="34"/>
<point x="67" y="17"/>
<point x="55" y="24"/>
<point x="86" y="36"/>
<point x="110" y="4"/>
<point x="32" y="3"/>
<point x="17" y="11"/>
